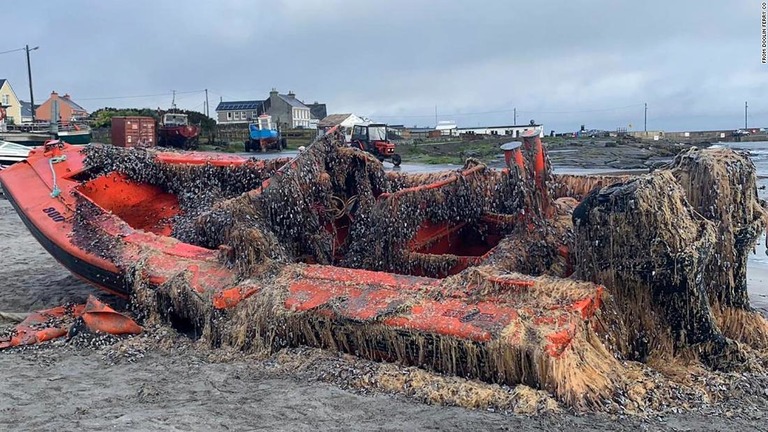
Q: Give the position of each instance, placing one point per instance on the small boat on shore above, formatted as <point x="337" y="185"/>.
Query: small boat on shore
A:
<point x="10" y="152"/>
<point x="508" y="276"/>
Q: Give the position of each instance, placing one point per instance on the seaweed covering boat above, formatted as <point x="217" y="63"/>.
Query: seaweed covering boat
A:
<point x="508" y="276"/>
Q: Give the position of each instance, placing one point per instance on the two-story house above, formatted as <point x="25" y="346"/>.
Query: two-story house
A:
<point x="287" y="111"/>
<point x="69" y="111"/>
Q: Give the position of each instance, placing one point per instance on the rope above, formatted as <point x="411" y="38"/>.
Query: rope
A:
<point x="56" y="191"/>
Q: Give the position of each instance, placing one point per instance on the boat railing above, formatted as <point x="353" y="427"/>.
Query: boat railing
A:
<point x="29" y="127"/>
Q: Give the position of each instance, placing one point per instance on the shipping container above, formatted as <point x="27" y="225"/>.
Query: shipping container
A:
<point x="133" y="132"/>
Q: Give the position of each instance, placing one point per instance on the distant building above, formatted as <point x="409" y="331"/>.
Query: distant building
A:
<point x="447" y="128"/>
<point x="421" y="133"/>
<point x="344" y="121"/>
<point x="11" y="103"/>
<point x="513" y="131"/>
<point x="398" y="131"/>
<point x="239" y="111"/>
<point x="68" y="110"/>
<point x="287" y="111"/>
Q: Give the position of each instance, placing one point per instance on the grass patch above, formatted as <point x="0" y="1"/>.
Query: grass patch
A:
<point x="452" y="152"/>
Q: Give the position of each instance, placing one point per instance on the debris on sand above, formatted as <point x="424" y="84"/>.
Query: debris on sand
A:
<point x="69" y="320"/>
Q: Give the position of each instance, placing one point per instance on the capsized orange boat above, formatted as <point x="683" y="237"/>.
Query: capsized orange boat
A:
<point x="500" y="275"/>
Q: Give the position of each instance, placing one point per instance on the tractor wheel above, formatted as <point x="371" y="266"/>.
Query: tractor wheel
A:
<point x="396" y="160"/>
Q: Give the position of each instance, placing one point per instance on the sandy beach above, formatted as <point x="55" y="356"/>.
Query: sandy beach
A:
<point x="163" y="381"/>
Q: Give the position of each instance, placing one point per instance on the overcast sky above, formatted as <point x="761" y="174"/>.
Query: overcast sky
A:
<point x="562" y="63"/>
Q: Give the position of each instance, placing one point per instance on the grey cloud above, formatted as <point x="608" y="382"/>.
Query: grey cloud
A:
<point x="563" y="63"/>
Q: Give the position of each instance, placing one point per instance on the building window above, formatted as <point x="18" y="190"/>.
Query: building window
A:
<point x="244" y="115"/>
<point x="254" y="114"/>
<point x="229" y="116"/>
<point x="5" y="100"/>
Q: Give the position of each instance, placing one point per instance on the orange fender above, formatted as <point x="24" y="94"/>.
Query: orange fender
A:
<point x="99" y="317"/>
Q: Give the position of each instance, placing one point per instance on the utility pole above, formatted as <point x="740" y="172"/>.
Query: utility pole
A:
<point x="29" y="73"/>
<point x="207" y="113"/>
<point x="645" y="120"/>
<point x="435" y="115"/>
<point x="745" y="115"/>
<point x="514" y="116"/>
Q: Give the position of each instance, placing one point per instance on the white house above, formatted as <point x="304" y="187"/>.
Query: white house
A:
<point x="344" y="121"/>
<point x="513" y="131"/>
<point x="447" y="128"/>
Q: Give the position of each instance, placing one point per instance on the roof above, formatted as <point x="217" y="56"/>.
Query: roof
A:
<point x="2" y="81"/>
<point x="26" y="108"/>
<point x="292" y="101"/>
<point x="421" y="130"/>
<point x="240" y="105"/>
<point x="72" y="104"/>
<point x="333" y="119"/>
<point x="317" y="110"/>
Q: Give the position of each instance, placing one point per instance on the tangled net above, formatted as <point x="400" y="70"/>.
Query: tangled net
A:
<point x="669" y="248"/>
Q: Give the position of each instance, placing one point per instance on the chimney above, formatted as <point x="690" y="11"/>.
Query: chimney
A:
<point x="273" y="92"/>
<point x="54" y="94"/>
<point x="291" y="94"/>
<point x="66" y="96"/>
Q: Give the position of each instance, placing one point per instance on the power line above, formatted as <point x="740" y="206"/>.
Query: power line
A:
<point x="13" y="50"/>
<point x="138" y="96"/>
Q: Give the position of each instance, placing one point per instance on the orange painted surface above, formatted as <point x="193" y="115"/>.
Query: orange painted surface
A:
<point x="142" y="206"/>
<point x="54" y="323"/>
<point x="230" y="298"/>
<point x="100" y="318"/>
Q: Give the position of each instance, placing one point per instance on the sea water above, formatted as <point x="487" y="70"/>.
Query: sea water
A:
<point x="757" y="266"/>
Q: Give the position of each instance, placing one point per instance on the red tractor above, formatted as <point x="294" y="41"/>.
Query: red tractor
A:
<point x="373" y="139"/>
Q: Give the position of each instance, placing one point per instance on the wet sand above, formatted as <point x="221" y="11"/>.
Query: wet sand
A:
<point x="162" y="381"/>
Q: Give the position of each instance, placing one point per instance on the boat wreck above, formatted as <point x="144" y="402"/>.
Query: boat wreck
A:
<point x="517" y="276"/>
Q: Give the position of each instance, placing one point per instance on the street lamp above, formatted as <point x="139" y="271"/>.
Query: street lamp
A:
<point x="29" y="72"/>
